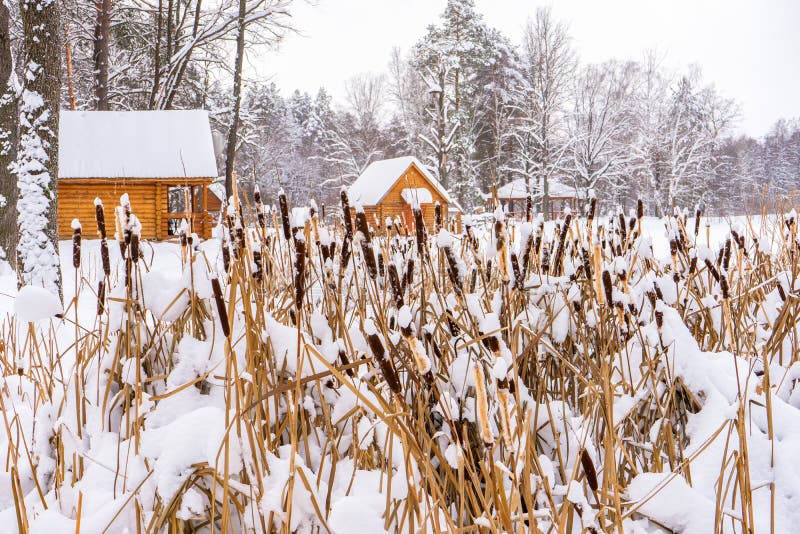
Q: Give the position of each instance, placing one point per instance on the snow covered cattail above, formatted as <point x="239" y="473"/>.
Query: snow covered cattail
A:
<point x="529" y="208"/>
<point x="119" y="217"/>
<point x="454" y="267"/>
<point x="262" y="223"/>
<point x="712" y="269"/>
<point x="226" y="252"/>
<point x="348" y="222"/>
<point x="381" y="265"/>
<point x="257" y="261"/>
<point x="726" y="256"/>
<point x="693" y="264"/>
<point x="657" y="289"/>
<point x="366" y="242"/>
<point x="437" y="217"/>
<point x="299" y="268"/>
<point x="379" y="353"/>
<point x="135" y="230"/>
<point x="408" y="276"/>
<point x="345" y="256"/>
<point x="517" y="272"/>
<point x="418" y="354"/>
<point x="100" y="217"/>
<point x="283" y="204"/>
<point x="505" y="414"/>
<point x="598" y="272"/>
<point x="394" y="284"/>
<point x="101" y="230"/>
<point x="545" y="258"/>
<point x="222" y="311"/>
<point x="419" y="223"/>
<point x="482" y="404"/>
<point x="500" y="244"/>
<point x="561" y="244"/>
<point x="608" y="289"/>
<point x="696" y="222"/>
<point x="125" y="202"/>
<point x="101" y="296"/>
<point x="76" y="243"/>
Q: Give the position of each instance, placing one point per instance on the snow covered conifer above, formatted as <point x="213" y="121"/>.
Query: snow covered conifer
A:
<point x="37" y="159"/>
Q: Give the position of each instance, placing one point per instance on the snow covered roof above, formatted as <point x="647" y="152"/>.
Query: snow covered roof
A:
<point x="379" y="177"/>
<point x="514" y="189"/>
<point x="518" y="189"/>
<point x="217" y="188"/>
<point x="417" y="195"/>
<point x="135" y="144"/>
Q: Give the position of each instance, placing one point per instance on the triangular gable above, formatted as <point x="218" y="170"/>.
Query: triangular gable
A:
<point x="381" y="176"/>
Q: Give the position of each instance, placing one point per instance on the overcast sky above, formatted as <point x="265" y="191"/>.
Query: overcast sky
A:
<point x="748" y="49"/>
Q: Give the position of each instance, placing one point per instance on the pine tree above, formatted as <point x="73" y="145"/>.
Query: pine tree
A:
<point x="456" y="59"/>
<point x="37" y="160"/>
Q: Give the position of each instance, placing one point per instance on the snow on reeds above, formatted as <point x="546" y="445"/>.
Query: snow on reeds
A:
<point x="294" y="375"/>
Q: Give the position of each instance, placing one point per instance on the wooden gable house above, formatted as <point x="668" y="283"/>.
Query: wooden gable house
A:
<point x="390" y="188"/>
<point x="514" y="197"/>
<point x="159" y="158"/>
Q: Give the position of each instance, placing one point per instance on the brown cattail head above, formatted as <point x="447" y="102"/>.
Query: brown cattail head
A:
<point x="588" y="468"/>
<point x="222" y="311"/>
<point x="379" y="353"/>
<point x="100" y="217"/>
<point x="283" y="204"/>
<point x="696" y="221"/>
<point x="366" y="243"/>
<point x="101" y="296"/>
<point x="608" y="288"/>
<point x="723" y="283"/>
<point x="135" y="231"/>
<point x="529" y="208"/>
<point x="348" y="222"/>
<point x="299" y="268"/>
<point x="76" y="243"/>
<point x="419" y="226"/>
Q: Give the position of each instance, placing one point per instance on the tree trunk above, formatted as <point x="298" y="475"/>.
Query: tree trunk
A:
<point x="100" y="54"/>
<point x="9" y="123"/>
<point x="230" y="151"/>
<point x="37" y="160"/>
<point x="157" y="57"/>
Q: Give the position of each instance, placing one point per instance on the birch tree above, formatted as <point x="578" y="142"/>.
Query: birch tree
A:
<point x="600" y="124"/>
<point x="548" y="62"/>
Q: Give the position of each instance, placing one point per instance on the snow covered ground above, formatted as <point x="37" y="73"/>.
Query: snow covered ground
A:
<point x="173" y="412"/>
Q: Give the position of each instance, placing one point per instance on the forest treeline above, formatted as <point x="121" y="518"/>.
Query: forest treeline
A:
<point x="475" y="106"/>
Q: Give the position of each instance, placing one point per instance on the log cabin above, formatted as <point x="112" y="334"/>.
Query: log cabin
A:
<point x="514" y="196"/>
<point x="159" y="158"/>
<point x="388" y="189"/>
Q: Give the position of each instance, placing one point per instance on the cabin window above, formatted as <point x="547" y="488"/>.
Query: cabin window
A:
<point x="177" y="198"/>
